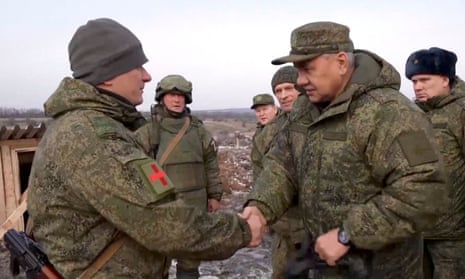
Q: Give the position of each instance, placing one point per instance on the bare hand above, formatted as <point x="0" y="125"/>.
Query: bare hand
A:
<point x="329" y="249"/>
<point x="257" y="224"/>
<point x="213" y="205"/>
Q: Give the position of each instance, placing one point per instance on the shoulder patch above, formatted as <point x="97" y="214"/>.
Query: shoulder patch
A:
<point x="154" y="178"/>
<point x="104" y="126"/>
<point x="416" y="148"/>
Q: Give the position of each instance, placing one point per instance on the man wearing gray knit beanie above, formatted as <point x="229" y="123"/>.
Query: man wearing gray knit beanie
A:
<point x="101" y="206"/>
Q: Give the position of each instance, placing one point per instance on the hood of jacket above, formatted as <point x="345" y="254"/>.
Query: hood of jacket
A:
<point x="73" y="94"/>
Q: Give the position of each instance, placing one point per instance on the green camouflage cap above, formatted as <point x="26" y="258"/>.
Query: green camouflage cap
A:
<point x="262" y="99"/>
<point x="316" y="38"/>
<point x="174" y="83"/>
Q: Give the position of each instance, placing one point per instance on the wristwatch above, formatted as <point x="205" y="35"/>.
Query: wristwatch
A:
<point x="343" y="237"/>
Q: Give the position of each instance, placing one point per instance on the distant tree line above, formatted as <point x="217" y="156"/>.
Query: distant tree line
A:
<point x="237" y="114"/>
<point x="20" y="113"/>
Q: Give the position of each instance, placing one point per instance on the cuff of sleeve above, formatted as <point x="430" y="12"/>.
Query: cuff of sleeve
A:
<point x="347" y="228"/>
<point x="216" y="196"/>
<point x="246" y="233"/>
<point x="264" y="209"/>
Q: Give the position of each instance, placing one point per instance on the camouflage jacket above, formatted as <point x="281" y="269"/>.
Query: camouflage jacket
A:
<point x="261" y="141"/>
<point x="193" y="164"/>
<point x="448" y="117"/>
<point x="90" y="179"/>
<point x="364" y="163"/>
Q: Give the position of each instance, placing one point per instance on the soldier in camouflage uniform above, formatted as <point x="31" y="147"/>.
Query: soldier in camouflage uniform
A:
<point x="441" y="94"/>
<point x="368" y="178"/>
<point x="92" y="184"/>
<point x="192" y="165"/>
<point x="288" y="230"/>
<point x="266" y="112"/>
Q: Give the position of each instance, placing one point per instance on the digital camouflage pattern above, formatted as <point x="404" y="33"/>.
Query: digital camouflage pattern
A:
<point x="192" y="165"/>
<point x="193" y="160"/>
<point x="289" y="230"/>
<point x="445" y="243"/>
<point x="364" y="163"/>
<point x="90" y="179"/>
<point x="261" y="141"/>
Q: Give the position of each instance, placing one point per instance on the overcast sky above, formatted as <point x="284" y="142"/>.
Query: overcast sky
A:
<point x="224" y="47"/>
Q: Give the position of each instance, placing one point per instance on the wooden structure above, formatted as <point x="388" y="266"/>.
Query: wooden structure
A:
<point x="17" y="148"/>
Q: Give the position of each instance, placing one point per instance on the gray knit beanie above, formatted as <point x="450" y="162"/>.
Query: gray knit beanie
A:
<point x="286" y="74"/>
<point x="103" y="49"/>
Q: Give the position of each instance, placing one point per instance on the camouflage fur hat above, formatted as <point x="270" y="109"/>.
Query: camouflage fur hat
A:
<point x="286" y="74"/>
<point x="262" y="99"/>
<point x="433" y="61"/>
<point x="316" y="38"/>
<point x="174" y="84"/>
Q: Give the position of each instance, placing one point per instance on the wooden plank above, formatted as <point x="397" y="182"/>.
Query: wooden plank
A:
<point x="11" y="199"/>
<point x="8" y="132"/>
<point x="21" y="143"/>
<point x="17" y="214"/>
<point x="2" y="192"/>
<point x="16" y="185"/>
<point x="22" y="132"/>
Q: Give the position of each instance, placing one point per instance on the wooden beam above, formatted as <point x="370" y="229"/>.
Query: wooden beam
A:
<point x="3" y="214"/>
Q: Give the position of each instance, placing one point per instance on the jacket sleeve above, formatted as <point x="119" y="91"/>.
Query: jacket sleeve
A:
<point x="110" y="176"/>
<point x="212" y="170"/>
<point x="256" y="159"/>
<point x="405" y="160"/>
<point x="274" y="189"/>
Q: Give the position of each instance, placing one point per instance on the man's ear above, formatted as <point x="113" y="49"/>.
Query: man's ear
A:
<point x="342" y="60"/>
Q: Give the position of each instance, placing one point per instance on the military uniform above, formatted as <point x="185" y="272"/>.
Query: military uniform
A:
<point x="365" y="164"/>
<point x="288" y="230"/>
<point x="446" y="241"/>
<point x="90" y="179"/>
<point x="192" y="165"/>
<point x="261" y="141"/>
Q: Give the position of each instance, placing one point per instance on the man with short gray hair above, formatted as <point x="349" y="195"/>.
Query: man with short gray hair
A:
<point x="368" y="176"/>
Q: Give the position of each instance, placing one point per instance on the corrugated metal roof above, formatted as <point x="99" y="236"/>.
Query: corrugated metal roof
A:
<point x="19" y="132"/>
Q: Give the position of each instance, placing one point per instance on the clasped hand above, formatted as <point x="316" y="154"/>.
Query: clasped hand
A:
<point x="257" y="224"/>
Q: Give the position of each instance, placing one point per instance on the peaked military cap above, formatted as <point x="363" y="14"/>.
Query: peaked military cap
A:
<point x="262" y="99"/>
<point x="316" y="38"/>
<point x="433" y="61"/>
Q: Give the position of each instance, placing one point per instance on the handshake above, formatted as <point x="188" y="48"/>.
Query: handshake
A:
<point x="315" y="254"/>
<point x="257" y="224"/>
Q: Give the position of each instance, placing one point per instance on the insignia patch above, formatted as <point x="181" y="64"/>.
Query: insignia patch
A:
<point x="416" y="148"/>
<point x="155" y="178"/>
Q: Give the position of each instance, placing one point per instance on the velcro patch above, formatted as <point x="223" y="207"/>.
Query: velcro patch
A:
<point x="104" y="126"/>
<point x="440" y="125"/>
<point x="416" y="148"/>
<point x="155" y="178"/>
<point x="332" y="135"/>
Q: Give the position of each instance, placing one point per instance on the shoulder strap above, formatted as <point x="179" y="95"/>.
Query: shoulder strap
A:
<point x="174" y="141"/>
<point x="104" y="257"/>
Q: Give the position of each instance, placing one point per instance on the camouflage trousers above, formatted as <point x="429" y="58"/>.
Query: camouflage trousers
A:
<point x="444" y="259"/>
<point x="282" y="250"/>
